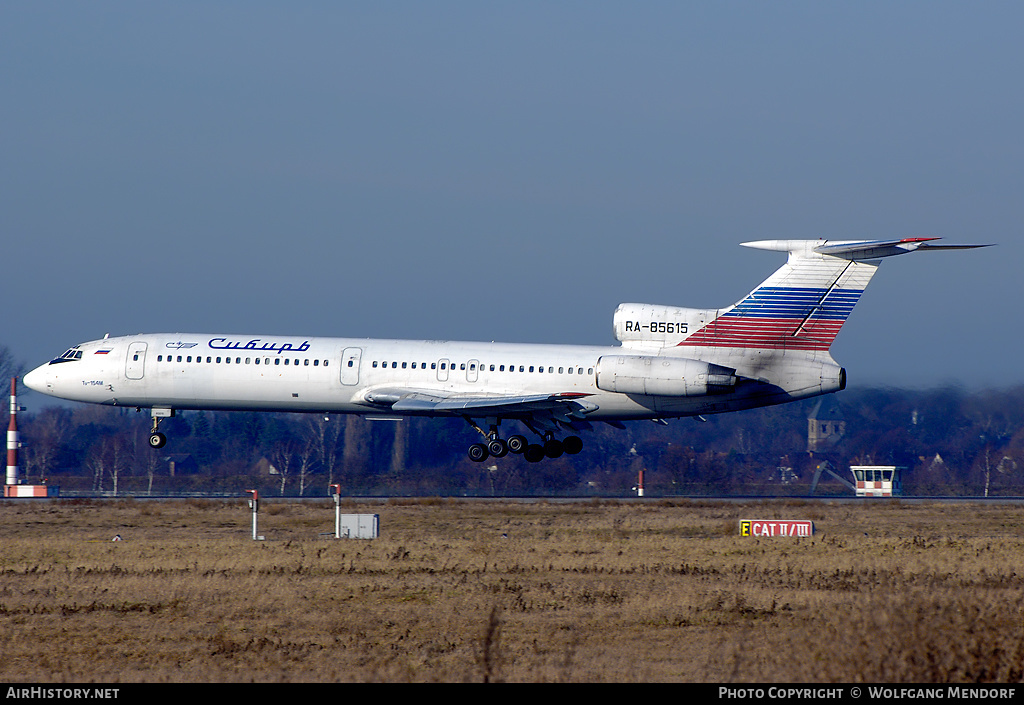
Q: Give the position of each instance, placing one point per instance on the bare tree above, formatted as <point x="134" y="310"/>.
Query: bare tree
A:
<point x="304" y="457"/>
<point x="145" y="458"/>
<point x="44" y="435"/>
<point x="281" y="456"/>
<point x="357" y="432"/>
<point x="323" y="433"/>
<point x="108" y="457"/>
<point x="8" y="366"/>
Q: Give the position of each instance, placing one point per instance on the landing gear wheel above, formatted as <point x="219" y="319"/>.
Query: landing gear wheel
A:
<point x="477" y="452"/>
<point x="497" y="447"/>
<point x="157" y="440"/>
<point x="516" y="444"/>
<point x="534" y="453"/>
<point x="553" y="448"/>
<point x="572" y="445"/>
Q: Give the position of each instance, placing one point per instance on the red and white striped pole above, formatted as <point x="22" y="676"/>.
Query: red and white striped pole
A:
<point x="12" y="436"/>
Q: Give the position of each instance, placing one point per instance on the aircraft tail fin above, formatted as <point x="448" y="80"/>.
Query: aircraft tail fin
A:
<point x="804" y="303"/>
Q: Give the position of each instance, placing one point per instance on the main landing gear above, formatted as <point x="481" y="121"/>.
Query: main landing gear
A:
<point x="495" y="447"/>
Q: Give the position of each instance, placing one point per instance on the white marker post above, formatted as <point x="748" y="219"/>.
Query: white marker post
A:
<point x="254" y="503"/>
<point x="336" y="491"/>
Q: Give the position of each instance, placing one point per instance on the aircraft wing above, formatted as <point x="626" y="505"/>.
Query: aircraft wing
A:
<point x="540" y="410"/>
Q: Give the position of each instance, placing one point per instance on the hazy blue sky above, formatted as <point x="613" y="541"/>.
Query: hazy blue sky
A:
<point x="507" y="171"/>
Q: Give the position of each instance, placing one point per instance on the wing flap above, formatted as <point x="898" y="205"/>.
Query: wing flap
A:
<point x="568" y="404"/>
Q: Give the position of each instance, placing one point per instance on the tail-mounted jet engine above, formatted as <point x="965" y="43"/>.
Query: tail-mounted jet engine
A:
<point x="663" y="376"/>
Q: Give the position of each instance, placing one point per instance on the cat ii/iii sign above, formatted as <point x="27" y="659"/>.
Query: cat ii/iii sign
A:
<point x="770" y="528"/>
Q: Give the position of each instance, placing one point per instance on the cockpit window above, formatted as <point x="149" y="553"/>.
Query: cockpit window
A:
<point x="70" y="355"/>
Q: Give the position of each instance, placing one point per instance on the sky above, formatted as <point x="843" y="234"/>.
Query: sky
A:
<point x="507" y="171"/>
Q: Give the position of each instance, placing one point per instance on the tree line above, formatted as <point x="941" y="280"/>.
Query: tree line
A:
<point x="951" y="442"/>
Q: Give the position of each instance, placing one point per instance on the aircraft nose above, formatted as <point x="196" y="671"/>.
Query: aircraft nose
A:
<point x="36" y="379"/>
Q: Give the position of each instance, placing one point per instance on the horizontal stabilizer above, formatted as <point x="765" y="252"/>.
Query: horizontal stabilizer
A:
<point x="855" y="249"/>
<point x="874" y="249"/>
<point x="803" y="305"/>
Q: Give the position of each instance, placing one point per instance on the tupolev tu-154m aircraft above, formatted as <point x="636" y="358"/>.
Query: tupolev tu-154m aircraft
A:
<point x="771" y="347"/>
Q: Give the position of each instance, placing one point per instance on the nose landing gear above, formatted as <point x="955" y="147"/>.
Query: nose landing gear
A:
<point x="157" y="439"/>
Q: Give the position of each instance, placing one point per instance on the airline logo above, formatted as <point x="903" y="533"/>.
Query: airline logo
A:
<point x="104" y="351"/>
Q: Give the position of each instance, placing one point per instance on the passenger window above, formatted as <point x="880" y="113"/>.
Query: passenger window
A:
<point x="218" y="360"/>
<point x="325" y="363"/>
<point x="433" y="366"/>
<point x="208" y="358"/>
<point x="492" y="368"/>
<point x="560" y="370"/>
<point x="179" y="358"/>
<point x="394" y="365"/>
<point x="247" y="360"/>
<point x="316" y="363"/>
<point x="531" y="368"/>
<point x="257" y="361"/>
<point x="238" y="361"/>
<point x="405" y="365"/>
<point x="349" y="363"/>
<point x="521" y="369"/>
<point x="277" y="361"/>
<point x="159" y="358"/>
<point x="305" y="362"/>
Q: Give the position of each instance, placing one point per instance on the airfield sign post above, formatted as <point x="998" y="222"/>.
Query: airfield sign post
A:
<point x="254" y="504"/>
<point x="336" y="492"/>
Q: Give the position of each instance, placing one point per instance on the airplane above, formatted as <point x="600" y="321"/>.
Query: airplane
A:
<point x="770" y="347"/>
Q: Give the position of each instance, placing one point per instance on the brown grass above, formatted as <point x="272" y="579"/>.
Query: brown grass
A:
<point x="500" y="591"/>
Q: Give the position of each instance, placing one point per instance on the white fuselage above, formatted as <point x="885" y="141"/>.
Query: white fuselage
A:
<point x="340" y="375"/>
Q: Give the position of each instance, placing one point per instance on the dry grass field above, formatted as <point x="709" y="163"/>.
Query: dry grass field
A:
<point x="500" y="591"/>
